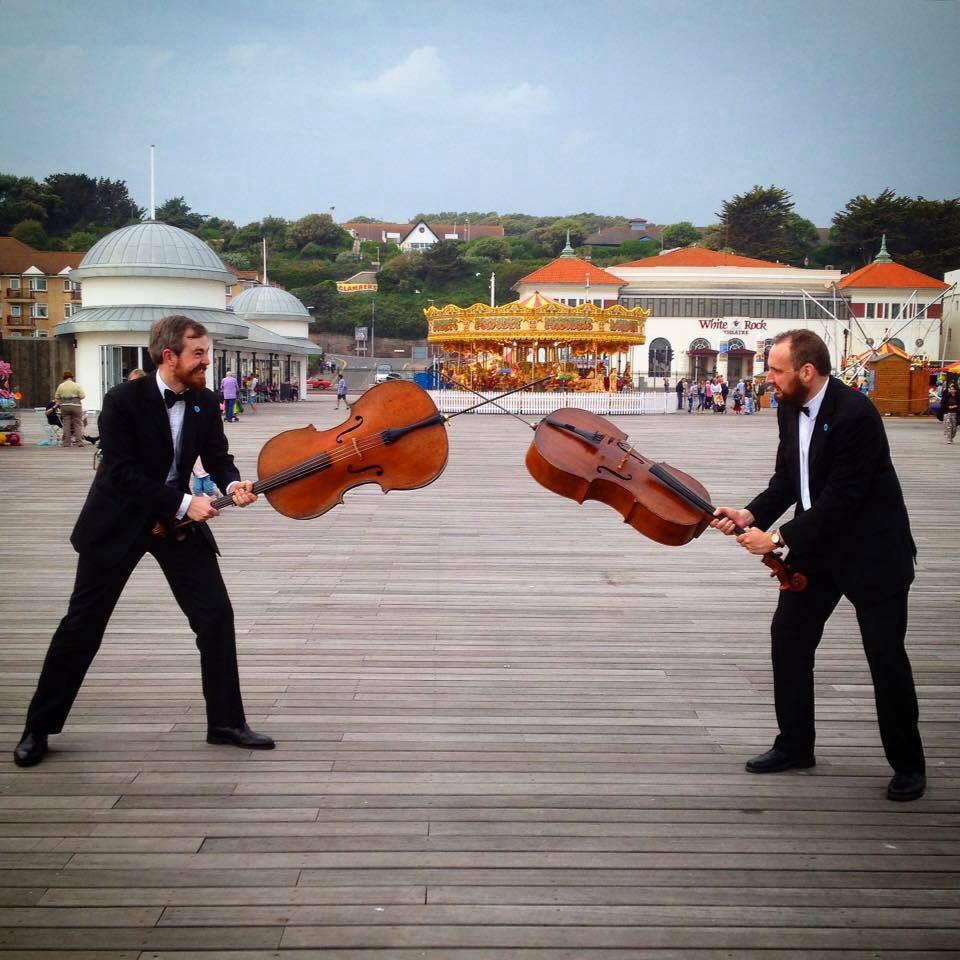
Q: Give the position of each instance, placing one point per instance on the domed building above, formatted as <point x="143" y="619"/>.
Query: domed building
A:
<point x="140" y="273"/>
<point x="276" y="345"/>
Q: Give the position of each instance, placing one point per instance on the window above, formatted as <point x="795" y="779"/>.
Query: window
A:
<point x="894" y="311"/>
<point x="660" y="358"/>
<point x="68" y="310"/>
<point x="67" y="287"/>
<point x="16" y="310"/>
<point x="39" y="311"/>
<point x="871" y="311"/>
<point x="38" y="284"/>
<point x="14" y="283"/>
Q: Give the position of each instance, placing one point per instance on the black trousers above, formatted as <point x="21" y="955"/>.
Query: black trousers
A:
<point x="796" y="632"/>
<point x="191" y="569"/>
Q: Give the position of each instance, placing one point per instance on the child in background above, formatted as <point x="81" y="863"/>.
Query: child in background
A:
<point x="203" y="485"/>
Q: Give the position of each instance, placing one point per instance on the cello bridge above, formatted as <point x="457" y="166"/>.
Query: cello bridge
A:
<point x="356" y="448"/>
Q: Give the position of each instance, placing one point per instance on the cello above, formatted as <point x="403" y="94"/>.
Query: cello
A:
<point x="582" y="456"/>
<point x="394" y="436"/>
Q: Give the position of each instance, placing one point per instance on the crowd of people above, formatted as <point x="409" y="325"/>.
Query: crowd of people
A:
<point x="237" y="396"/>
<point x="715" y="395"/>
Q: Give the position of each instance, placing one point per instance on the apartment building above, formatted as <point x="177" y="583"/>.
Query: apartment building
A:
<point x="36" y="292"/>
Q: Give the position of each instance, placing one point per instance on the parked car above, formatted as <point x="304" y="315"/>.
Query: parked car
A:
<point x="383" y="373"/>
<point x="318" y="384"/>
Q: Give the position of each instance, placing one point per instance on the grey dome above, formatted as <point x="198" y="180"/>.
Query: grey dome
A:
<point x="269" y="303"/>
<point x="152" y="250"/>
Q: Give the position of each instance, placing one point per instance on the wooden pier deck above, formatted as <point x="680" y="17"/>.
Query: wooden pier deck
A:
<point x="508" y="727"/>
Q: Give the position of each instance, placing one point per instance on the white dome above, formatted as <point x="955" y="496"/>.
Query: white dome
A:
<point x="152" y="250"/>
<point x="258" y="303"/>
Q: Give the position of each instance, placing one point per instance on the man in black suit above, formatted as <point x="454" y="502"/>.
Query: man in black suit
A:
<point x="851" y="535"/>
<point x="151" y="431"/>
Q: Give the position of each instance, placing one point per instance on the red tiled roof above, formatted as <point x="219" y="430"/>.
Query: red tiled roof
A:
<point x="571" y="270"/>
<point x="699" y="257"/>
<point x="890" y="276"/>
<point x="16" y="257"/>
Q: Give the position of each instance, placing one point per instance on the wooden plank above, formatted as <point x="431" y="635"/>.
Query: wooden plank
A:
<point x="508" y="727"/>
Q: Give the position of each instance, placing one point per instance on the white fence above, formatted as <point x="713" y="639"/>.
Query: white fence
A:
<point x="607" y="404"/>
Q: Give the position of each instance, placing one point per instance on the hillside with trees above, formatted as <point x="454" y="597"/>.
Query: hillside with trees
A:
<point x="69" y="211"/>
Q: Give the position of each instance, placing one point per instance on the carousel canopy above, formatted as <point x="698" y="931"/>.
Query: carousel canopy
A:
<point x="586" y="328"/>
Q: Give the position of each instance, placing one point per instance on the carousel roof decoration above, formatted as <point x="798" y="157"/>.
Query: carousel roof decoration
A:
<point x="586" y="328"/>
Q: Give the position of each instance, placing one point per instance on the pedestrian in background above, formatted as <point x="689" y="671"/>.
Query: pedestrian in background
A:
<point x="70" y="395"/>
<point x="948" y="407"/>
<point x="341" y="390"/>
<point x="228" y="387"/>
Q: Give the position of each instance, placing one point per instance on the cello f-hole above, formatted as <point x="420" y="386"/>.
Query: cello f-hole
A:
<point x="626" y="478"/>
<point x="356" y="426"/>
<point x="356" y="472"/>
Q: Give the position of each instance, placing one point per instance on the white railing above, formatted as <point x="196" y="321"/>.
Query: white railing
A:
<point x="607" y="404"/>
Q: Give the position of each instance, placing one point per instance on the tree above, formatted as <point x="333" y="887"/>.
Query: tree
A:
<point x="22" y="198"/>
<point x="493" y="248"/>
<point x="801" y="238"/>
<point x="714" y="237"/>
<point x="79" y="201"/>
<point x="921" y="234"/>
<point x="403" y="272"/>
<point x="30" y="232"/>
<point x="682" y="234"/>
<point x="81" y="240"/>
<point x="554" y="237"/>
<point x="442" y="262"/>
<point x="755" y="223"/>
<point x="177" y="213"/>
<point x="320" y="229"/>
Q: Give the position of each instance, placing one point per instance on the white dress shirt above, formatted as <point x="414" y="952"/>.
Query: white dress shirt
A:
<point x="175" y="415"/>
<point x="805" y="432"/>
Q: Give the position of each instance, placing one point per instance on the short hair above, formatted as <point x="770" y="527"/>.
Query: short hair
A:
<point x="169" y="332"/>
<point x="806" y="347"/>
<point x="67" y="374"/>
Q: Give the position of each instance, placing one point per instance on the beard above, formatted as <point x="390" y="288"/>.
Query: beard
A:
<point x="194" y="378"/>
<point x="793" y="395"/>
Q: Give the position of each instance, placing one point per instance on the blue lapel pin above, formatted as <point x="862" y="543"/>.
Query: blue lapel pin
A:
<point x="197" y="410"/>
<point x="825" y="428"/>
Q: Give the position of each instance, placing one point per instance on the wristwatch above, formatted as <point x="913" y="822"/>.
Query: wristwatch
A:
<point x="776" y="539"/>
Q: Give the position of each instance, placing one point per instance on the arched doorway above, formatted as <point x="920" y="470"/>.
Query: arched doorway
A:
<point x="660" y="358"/>
<point x="703" y="359"/>
<point x="739" y="360"/>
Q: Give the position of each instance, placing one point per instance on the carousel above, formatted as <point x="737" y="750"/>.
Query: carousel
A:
<point x="585" y="348"/>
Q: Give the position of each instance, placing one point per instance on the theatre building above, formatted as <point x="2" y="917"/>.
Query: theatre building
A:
<point x="710" y="312"/>
<point x="717" y="313"/>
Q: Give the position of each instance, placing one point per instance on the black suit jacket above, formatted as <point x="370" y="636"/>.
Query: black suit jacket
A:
<point x="129" y="493"/>
<point x="857" y="528"/>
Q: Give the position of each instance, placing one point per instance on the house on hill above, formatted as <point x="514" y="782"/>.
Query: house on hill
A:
<point x="421" y="235"/>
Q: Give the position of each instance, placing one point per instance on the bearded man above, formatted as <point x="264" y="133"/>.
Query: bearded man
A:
<point x="850" y="535"/>
<point x="152" y="430"/>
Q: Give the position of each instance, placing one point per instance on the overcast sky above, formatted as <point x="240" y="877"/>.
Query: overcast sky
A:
<point x="660" y="109"/>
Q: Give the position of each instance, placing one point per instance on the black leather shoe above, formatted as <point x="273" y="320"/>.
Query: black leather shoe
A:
<point x="30" y="750"/>
<point x="241" y="736"/>
<point x="773" y="761"/>
<point x="906" y="786"/>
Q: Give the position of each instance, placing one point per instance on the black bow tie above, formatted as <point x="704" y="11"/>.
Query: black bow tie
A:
<point x="805" y="410"/>
<point x="170" y="398"/>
